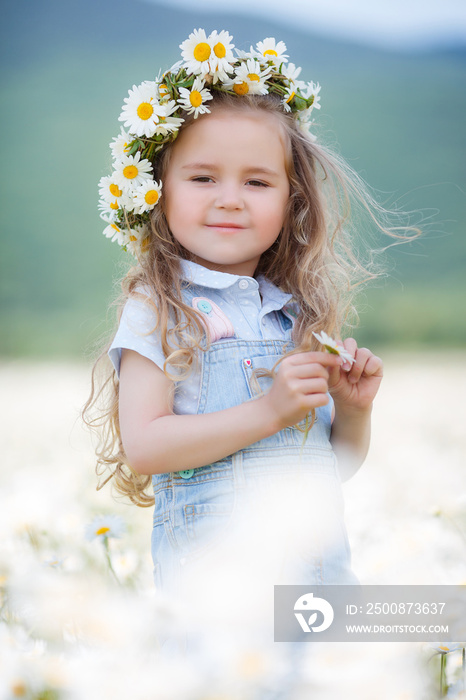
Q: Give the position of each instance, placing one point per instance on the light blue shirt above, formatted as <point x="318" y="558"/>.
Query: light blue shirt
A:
<point x="251" y="305"/>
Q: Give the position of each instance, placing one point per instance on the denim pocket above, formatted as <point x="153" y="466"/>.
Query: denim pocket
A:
<point x="206" y="521"/>
<point x="259" y="384"/>
<point x="207" y="525"/>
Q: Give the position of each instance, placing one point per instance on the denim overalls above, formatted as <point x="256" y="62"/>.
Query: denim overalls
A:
<point x="274" y="507"/>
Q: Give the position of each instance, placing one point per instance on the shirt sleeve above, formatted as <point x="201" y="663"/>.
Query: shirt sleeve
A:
<point x="136" y="332"/>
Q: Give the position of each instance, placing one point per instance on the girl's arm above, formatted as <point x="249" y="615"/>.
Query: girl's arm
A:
<point x="353" y="389"/>
<point x="156" y="440"/>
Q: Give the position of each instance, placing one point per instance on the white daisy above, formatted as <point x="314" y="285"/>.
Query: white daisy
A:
<point x="138" y="239"/>
<point x="108" y="210"/>
<point x="245" y="54"/>
<point x="197" y="52"/>
<point x="131" y="171"/>
<point x="109" y="189"/>
<point x="142" y="109"/>
<point x="312" y="90"/>
<point x="54" y="562"/>
<point x="249" y="78"/>
<point x="446" y="647"/>
<point x="115" y="233"/>
<point x="194" y="100"/>
<point x="293" y="89"/>
<point x="146" y="196"/>
<point x="333" y="347"/>
<point x="163" y="91"/>
<point x="290" y="94"/>
<point x="222" y="55"/>
<point x="140" y="233"/>
<point x="120" y="144"/>
<point x="168" y="124"/>
<point x="105" y="526"/>
<point x="291" y="72"/>
<point x="270" y="50"/>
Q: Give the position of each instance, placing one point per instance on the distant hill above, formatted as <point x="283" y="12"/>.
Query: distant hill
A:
<point x="397" y="118"/>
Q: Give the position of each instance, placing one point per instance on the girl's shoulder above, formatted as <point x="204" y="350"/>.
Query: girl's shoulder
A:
<point x="137" y="329"/>
<point x="139" y="310"/>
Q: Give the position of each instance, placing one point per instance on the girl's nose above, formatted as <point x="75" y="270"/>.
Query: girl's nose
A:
<point x="229" y="196"/>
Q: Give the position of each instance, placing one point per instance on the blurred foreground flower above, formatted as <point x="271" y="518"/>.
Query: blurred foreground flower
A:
<point x="105" y="526"/>
<point x="333" y="347"/>
<point x="443" y="649"/>
<point x="446" y="647"/>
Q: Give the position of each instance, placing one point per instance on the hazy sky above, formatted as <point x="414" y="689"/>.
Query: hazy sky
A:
<point x="393" y="23"/>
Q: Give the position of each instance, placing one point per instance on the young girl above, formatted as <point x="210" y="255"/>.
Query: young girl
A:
<point x="220" y="394"/>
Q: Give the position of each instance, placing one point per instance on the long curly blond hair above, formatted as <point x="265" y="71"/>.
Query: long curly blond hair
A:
<point x="316" y="258"/>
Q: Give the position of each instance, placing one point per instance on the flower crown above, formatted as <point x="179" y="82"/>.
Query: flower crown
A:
<point x="153" y="113"/>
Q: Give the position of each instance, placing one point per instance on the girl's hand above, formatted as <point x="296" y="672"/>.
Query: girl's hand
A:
<point x="301" y="384"/>
<point x="355" y="386"/>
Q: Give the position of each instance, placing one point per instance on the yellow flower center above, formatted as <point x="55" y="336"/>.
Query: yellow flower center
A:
<point x="133" y="239"/>
<point x="103" y="530"/>
<point x="219" y="50"/>
<point x="114" y="205"/>
<point x="163" y="90"/>
<point x="293" y="94"/>
<point x="332" y="351"/>
<point x="130" y="172"/>
<point x="202" y="52"/>
<point x="241" y="88"/>
<point x="195" y="98"/>
<point x="145" y="244"/>
<point x="145" y="110"/>
<point x="115" y="190"/>
<point x="151" y="197"/>
<point x="19" y="689"/>
<point x="116" y="229"/>
<point x="254" y="76"/>
<point x="270" y="52"/>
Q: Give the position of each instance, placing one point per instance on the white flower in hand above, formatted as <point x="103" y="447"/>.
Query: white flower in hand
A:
<point x="333" y="347"/>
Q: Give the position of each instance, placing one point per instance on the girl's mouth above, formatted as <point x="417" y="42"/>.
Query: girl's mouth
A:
<point x="226" y="225"/>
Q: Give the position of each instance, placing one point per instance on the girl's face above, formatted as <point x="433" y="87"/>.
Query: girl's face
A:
<point x="226" y="189"/>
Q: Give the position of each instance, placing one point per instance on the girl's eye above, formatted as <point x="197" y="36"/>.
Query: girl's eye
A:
<point x="202" y="178"/>
<point x="257" y="183"/>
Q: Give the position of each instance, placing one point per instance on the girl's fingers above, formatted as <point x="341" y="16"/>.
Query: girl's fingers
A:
<point x="323" y="358"/>
<point x="365" y="363"/>
<point x="351" y="346"/>
<point x="374" y="367"/>
<point x="314" y="386"/>
<point x="315" y="369"/>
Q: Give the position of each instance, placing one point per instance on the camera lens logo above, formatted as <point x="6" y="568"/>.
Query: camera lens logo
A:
<point x="307" y="603"/>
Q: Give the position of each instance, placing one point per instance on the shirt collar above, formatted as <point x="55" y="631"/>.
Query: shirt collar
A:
<point x="203" y="277"/>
